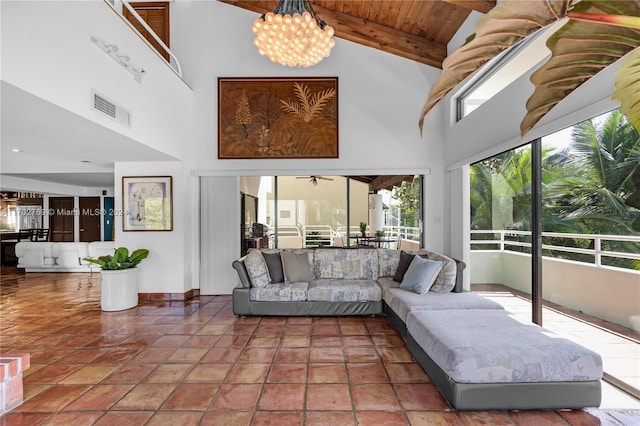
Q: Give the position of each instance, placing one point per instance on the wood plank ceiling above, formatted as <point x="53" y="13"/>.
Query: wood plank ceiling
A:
<point x="414" y="29"/>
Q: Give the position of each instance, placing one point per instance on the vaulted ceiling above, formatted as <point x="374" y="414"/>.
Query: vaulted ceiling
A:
<point x="414" y="29"/>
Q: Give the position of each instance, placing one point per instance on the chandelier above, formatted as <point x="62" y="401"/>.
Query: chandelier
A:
<point x="293" y="34"/>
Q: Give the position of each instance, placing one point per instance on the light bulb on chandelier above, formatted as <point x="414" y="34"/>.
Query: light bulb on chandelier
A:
<point x="293" y="34"/>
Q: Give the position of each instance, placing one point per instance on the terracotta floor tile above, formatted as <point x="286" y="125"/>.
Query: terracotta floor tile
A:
<point x="217" y="355"/>
<point x="374" y="397"/>
<point x="171" y="341"/>
<point x="99" y="398"/>
<point x="420" y="396"/>
<point x="89" y="374"/>
<point x="356" y="340"/>
<point x="328" y="397"/>
<point x="212" y="329"/>
<point x="443" y="418"/>
<point x="325" y="330"/>
<point x="367" y="373"/>
<point x="200" y="342"/>
<point x="292" y="341"/>
<point x="29" y="391"/>
<point x="74" y="418"/>
<point x="164" y="418"/>
<point x="288" y="373"/>
<point x="270" y="418"/>
<point x="250" y="355"/>
<point x="326" y="354"/>
<point x="208" y="373"/>
<point x="329" y="418"/>
<point x="191" y="397"/>
<point x="298" y="329"/>
<point x="387" y="340"/>
<point x="230" y="341"/>
<point x="395" y="354"/>
<point x="84" y="355"/>
<point x="129" y="418"/>
<point x="282" y="397"/>
<point x="237" y="397"/>
<point x="133" y="373"/>
<point x="15" y="418"/>
<point x="361" y="354"/>
<point x="145" y="397"/>
<point x="118" y="355"/>
<point x="53" y="373"/>
<point x="227" y="418"/>
<point x="152" y="355"/>
<point x="497" y="418"/>
<point x="168" y="373"/>
<point x="53" y="399"/>
<point x="378" y="418"/>
<point x="263" y="342"/>
<point x="248" y="373"/>
<point x="292" y="355"/>
<point x="187" y="355"/>
<point x="406" y="373"/>
<point x="323" y="341"/>
<point x="535" y="418"/>
<point x="327" y="373"/>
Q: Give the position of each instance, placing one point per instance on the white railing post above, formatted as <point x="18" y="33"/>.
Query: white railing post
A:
<point x="598" y="250"/>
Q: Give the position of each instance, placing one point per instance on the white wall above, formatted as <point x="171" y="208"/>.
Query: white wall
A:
<point x="168" y="267"/>
<point x="607" y="293"/>
<point x="47" y="52"/>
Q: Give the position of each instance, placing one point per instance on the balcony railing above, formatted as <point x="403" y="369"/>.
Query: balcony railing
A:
<point x="173" y="62"/>
<point x="590" y="246"/>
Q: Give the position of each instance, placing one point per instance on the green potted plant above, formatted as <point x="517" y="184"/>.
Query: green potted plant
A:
<point x="119" y="278"/>
<point x="363" y="228"/>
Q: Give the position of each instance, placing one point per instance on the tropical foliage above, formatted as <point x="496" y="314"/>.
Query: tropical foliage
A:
<point x="596" y="34"/>
<point x="121" y="259"/>
<point x="584" y="186"/>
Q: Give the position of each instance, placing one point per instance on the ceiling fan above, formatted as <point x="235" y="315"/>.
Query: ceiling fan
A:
<point x="313" y="179"/>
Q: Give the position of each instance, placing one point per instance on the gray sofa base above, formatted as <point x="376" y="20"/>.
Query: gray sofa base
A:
<point x="243" y="305"/>
<point x="506" y="396"/>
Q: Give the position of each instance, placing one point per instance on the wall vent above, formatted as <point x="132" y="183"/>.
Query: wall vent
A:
<point x="116" y="112"/>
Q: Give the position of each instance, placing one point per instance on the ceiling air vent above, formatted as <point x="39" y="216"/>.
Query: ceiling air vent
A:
<point x="116" y="112"/>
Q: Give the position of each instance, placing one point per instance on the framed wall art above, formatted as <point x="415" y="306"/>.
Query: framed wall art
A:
<point x="147" y="203"/>
<point x="262" y="118"/>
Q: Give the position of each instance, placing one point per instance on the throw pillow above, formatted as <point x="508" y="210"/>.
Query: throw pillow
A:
<point x="256" y="268"/>
<point x="421" y="274"/>
<point x="296" y="267"/>
<point x="403" y="264"/>
<point x="274" y="266"/>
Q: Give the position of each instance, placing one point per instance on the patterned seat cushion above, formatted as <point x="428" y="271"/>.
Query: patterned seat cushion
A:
<point x="280" y="292"/>
<point x="489" y="346"/>
<point x="344" y="291"/>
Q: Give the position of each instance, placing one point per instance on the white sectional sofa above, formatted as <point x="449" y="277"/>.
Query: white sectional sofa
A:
<point x="60" y="257"/>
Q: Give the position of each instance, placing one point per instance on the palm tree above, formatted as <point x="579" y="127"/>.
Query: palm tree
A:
<point x="584" y="185"/>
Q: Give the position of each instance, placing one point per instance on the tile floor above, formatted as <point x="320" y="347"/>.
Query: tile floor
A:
<point x="197" y="364"/>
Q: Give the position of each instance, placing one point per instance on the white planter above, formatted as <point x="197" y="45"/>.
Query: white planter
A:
<point x="119" y="289"/>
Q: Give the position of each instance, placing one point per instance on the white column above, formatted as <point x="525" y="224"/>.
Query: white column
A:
<point x="461" y="220"/>
<point x="376" y="213"/>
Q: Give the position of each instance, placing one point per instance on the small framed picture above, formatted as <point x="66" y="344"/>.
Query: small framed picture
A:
<point x="147" y="203"/>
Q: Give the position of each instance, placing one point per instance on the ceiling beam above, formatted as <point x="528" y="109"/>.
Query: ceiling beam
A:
<point x="482" y="6"/>
<point x="369" y="34"/>
<point x="388" y="182"/>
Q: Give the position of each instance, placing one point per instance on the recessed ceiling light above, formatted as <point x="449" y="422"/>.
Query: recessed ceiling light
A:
<point x="15" y="150"/>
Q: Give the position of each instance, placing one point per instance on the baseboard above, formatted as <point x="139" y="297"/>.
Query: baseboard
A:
<point x="187" y="295"/>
